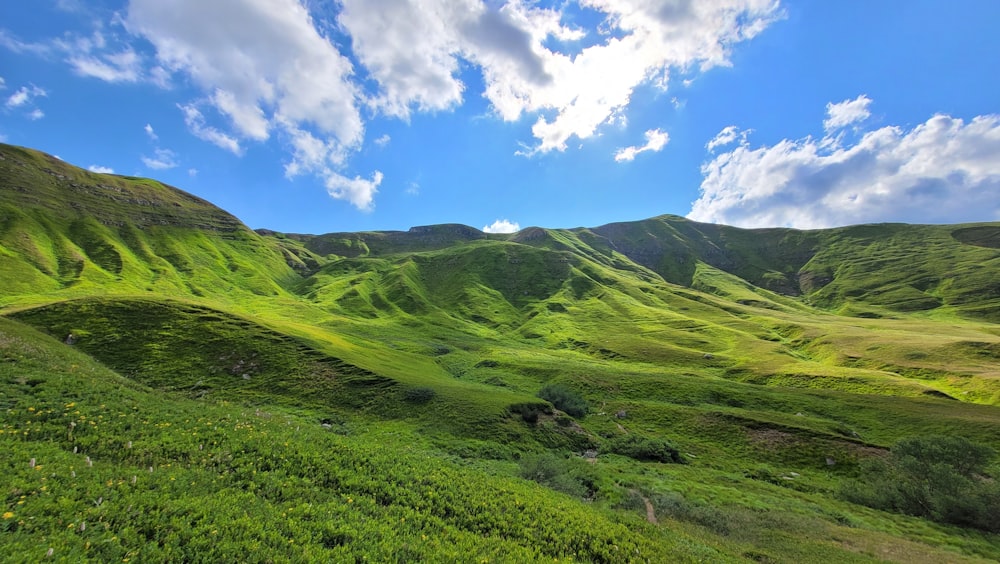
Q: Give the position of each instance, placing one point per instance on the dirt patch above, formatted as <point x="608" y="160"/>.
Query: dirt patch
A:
<point x="650" y="512"/>
<point x="772" y="438"/>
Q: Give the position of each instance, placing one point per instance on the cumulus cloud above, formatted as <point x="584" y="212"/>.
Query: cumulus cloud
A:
<point x="162" y="159"/>
<point x="101" y="169"/>
<point x="647" y="40"/>
<point x="413" y="49"/>
<point x="845" y="113"/>
<point x="150" y="132"/>
<point x="3" y="83"/>
<point x="502" y="226"/>
<point x="383" y="140"/>
<point x="944" y="170"/>
<point x="358" y="191"/>
<point x="655" y="141"/>
<point x="263" y="64"/>
<point x="269" y="69"/>
<point x="256" y="58"/>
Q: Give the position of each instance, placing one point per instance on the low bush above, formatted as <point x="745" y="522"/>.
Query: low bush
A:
<point x="945" y="479"/>
<point x="565" y="475"/>
<point x="565" y="400"/>
<point x="645" y="449"/>
<point x="529" y="412"/>
<point x="419" y="395"/>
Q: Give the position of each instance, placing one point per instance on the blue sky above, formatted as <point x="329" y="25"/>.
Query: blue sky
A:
<point x="316" y="116"/>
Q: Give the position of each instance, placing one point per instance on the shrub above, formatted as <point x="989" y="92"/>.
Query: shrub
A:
<point x="573" y="477"/>
<point x="529" y="412"/>
<point x="419" y="395"/>
<point x="565" y="400"/>
<point x="944" y="479"/>
<point x="645" y="449"/>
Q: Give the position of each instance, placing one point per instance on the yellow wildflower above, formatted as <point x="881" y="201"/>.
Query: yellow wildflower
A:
<point x="8" y="515"/>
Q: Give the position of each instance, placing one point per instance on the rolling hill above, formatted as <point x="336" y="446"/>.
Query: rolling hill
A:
<point x="375" y="395"/>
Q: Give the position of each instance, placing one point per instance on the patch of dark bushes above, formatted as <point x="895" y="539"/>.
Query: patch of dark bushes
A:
<point x="565" y="400"/>
<point x="942" y="478"/>
<point x="529" y="412"/>
<point x="645" y="449"/>
<point x="733" y="521"/>
<point x="419" y="395"/>
<point x="570" y="476"/>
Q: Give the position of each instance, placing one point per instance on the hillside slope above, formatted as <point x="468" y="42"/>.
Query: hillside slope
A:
<point x="65" y="231"/>
<point x="708" y="392"/>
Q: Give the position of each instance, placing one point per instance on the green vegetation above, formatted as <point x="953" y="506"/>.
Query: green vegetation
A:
<point x="946" y="479"/>
<point x="565" y="399"/>
<point x="645" y="449"/>
<point x="180" y="387"/>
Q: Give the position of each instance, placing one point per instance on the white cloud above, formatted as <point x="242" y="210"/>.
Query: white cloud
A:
<point x="99" y="55"/>
<point x="270" y="68"/>
<point x="846" y="113"/>
<point x="263" y="64"/>
<point x="312" y="154"/>
<point x="727" y="136"/>
<point x="24" y="96"/>
<point x="36" y="114"/>
<point x="413" y="189"/>
<point x="124" y="66"/>
<point x="383" y="140"/>
<point x="409" y="47"/>
<point x="195" y="122"/>
<point x="192" y="172"/>
<point x="71" y="6"/>
<point x="151" y="132"/>
<point x="656" y="140"/>
<point x="944" y="170"/>
<point x="249" y="118"/>
<point x="101" y="169"/>
<point x="358" y="191"/>
<point x="13" y="44"/>
<point x="3" y="83"/>
<point x="255" y="57"/>
<point x="322" y="157"/>
<point x="413" y="48"/>
<point x="502" y="226"/>
<point x="162" y="159"/>
<point x="648" y="40"/>
<point x="160" y="77"/>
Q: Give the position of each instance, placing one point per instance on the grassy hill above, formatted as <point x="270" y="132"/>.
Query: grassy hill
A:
<point x="181" y="387"/>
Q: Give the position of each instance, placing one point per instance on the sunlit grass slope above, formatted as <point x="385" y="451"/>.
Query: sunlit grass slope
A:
<point x="69" y="232"/>
<point x="99" y="467"/>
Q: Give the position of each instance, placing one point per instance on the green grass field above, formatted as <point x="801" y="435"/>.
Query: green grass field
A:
<point x="179" y="387"/>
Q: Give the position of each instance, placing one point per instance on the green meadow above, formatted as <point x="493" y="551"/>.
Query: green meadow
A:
<point x="179" y="387"/>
